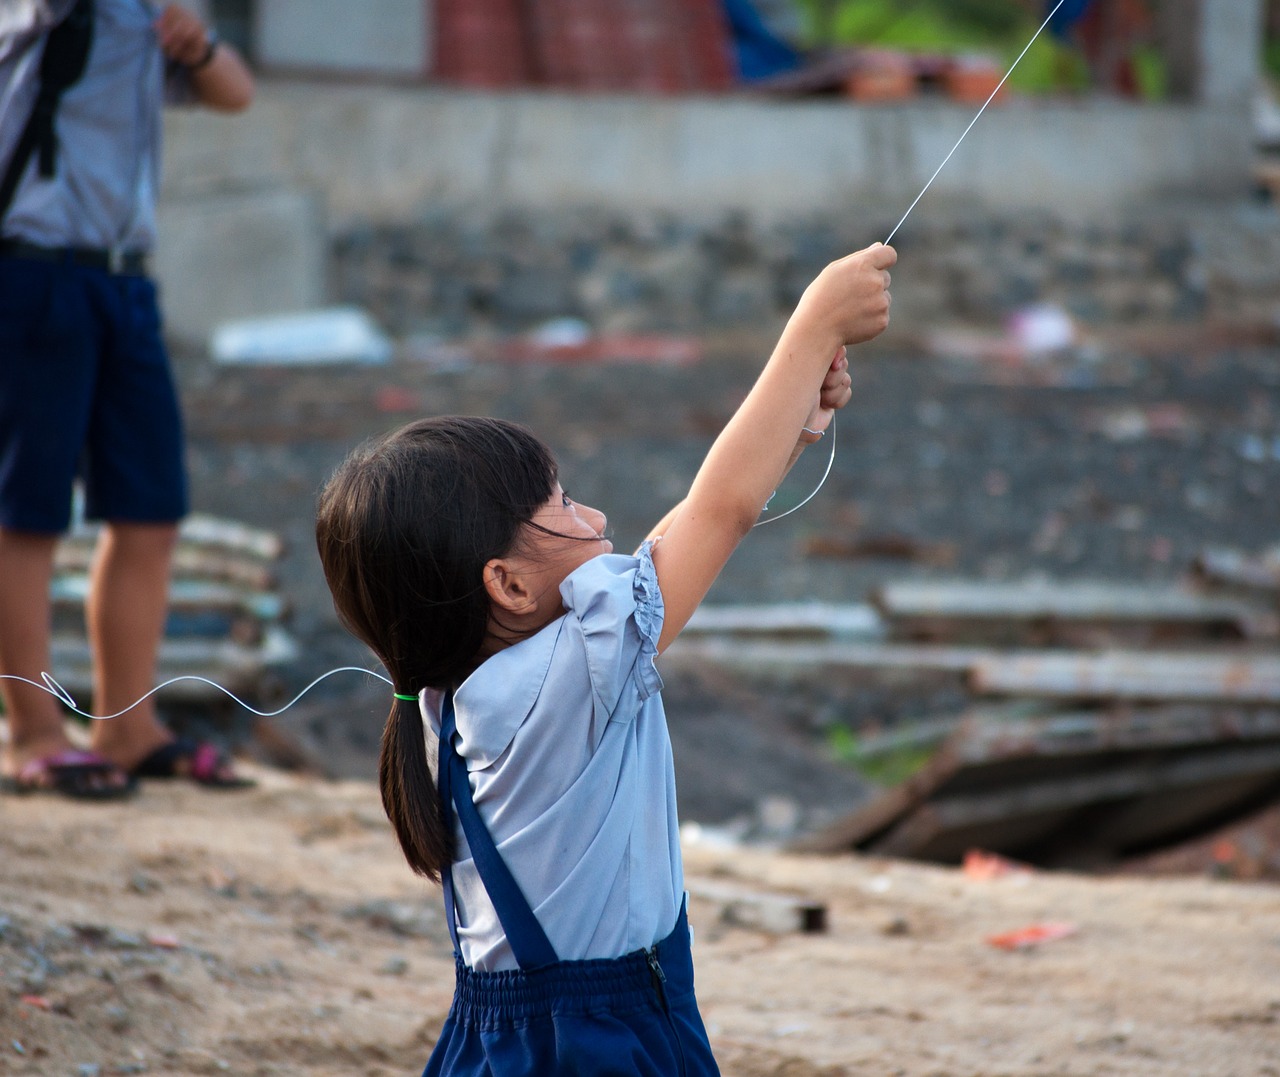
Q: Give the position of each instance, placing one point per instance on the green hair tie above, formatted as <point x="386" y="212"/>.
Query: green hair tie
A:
<point x="407" y="699"/>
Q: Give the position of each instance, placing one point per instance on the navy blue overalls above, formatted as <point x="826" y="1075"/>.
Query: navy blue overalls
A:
<point x="624" y="1016"/>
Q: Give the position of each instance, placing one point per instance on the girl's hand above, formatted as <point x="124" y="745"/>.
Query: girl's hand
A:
<point x="836" y="392"/>
<point x="849" y="300"/>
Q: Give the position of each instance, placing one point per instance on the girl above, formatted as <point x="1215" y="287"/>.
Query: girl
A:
<point x="543" y="795"/>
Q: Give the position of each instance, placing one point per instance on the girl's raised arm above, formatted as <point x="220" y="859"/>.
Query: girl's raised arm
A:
<point x="848" y="303"/>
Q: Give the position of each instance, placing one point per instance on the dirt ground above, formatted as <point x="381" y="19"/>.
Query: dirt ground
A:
<point x="277" y="931"/>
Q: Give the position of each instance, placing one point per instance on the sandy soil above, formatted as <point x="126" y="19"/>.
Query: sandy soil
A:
<point x="277" y="931"/>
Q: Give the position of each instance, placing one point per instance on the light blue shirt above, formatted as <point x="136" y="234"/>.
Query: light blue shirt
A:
<point x="566" y="744"/>
<point x="108" y="127"/>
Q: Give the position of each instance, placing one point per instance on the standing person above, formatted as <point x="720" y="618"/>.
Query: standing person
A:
<point x="546" y="804"/>
<point x="85" y="384"/>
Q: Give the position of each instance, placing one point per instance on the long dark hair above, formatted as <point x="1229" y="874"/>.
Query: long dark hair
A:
<point x="404" y="528"/>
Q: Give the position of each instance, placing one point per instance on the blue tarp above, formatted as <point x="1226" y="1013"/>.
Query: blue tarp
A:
<point x="759" y="52"/>
<point x="1071" y="12"/>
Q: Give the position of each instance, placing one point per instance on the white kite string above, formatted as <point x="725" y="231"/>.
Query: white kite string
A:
<point x="821" y="482"/>
<point x="48" y="684"/>
<point x="999" y="86"/>
<point x="55" y="689"/>
<point x="976" y="118"/>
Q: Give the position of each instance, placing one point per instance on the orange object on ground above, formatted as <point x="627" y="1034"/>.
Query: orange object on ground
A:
<point x="1032" y="935"/>
<point x="980" y="864"/>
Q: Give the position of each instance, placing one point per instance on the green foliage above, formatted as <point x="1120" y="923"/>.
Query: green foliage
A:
<point x="998" y="28"/>
<point x="1271" y="59"/>
<point x="916" y="24"/>
<point x="883" y="768"/>
<point x="996" y="17"/>
<point x="1153" y="78"/>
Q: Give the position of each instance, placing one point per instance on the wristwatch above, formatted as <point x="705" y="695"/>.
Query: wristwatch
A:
<point x="211" y="43"/>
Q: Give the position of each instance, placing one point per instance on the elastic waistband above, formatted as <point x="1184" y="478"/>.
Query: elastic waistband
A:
<point x="615" y="985"/>
<point x="114" y="261"/>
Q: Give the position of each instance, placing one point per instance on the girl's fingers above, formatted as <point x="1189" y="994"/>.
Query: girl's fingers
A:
<point x="836" y="379"/>
<point x="836" y="397"/>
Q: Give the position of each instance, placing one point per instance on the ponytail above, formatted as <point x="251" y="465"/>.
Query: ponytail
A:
<point x="409" y="794"/>
<point x="404" y="529"/>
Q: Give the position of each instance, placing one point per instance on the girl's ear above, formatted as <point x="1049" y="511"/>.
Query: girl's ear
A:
<point x="506" y="587"/>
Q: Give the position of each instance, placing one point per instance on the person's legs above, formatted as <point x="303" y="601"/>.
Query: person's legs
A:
<point x="39" y="754"/>
<point x="125" y="616"/>
<point x="35" y="718"/>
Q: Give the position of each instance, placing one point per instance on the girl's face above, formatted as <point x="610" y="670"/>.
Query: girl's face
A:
<point x="570" y="535"/>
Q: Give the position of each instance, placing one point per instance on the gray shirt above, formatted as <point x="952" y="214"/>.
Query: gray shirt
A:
<point x="108" y="127"/>
<point x="570" y="766"/>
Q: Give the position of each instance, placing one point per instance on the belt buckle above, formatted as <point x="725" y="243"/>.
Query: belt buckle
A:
<point x="115" y="260"/>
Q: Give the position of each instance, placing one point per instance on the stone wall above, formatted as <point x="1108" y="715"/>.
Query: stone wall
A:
<point x="450" y="276"/>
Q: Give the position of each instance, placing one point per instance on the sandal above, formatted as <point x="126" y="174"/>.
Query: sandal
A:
<point x="71" y="773"/>
<point x="201" y="762"/>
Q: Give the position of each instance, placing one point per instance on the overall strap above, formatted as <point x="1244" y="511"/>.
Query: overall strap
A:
<point x="66" y="52"/>
<point x="528" y="941"/>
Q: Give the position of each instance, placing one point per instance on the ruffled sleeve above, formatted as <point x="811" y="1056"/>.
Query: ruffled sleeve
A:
<point x="615" y="606"/>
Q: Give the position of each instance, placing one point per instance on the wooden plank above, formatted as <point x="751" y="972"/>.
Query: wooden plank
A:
<point x="1178" y="813"/>
<point x="992" y="736"/>
<point x="788" y="619"/>
<point x="945" y="826"/>
<point x="990" y="733"/>
<point x="755" y="655"/>
<point x="202" y="530"/>
<point x="779" y="914"/>
<point x="1231" y="677"/>
<point x="187" y="596"/>
<point x="1228" y="676"/>
<point x="1034" y="600"/>
<point x="1059" y="611"/>
<point x="1224" y="566"/>
<point x="189" y="562"/>
<point x="999" y="748"/>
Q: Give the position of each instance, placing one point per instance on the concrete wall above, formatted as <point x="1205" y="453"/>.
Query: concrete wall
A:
<point x="382" y="153"/>
<point x="391" y="37"/>
<point x="236" y="254"/>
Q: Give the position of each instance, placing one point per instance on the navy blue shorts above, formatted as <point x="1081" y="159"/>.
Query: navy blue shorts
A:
<point x="600" y="1018"/>
<point x="86" y="391"/>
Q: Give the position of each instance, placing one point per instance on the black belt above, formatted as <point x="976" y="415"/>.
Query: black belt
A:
<point x="128" y="263"/>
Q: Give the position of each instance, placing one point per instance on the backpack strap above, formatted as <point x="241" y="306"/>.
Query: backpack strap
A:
<point x="66" y="52"/>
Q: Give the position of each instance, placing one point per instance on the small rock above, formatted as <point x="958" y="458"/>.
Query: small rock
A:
<point x="141" y="883"/>
<point x="896" y="928"/>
